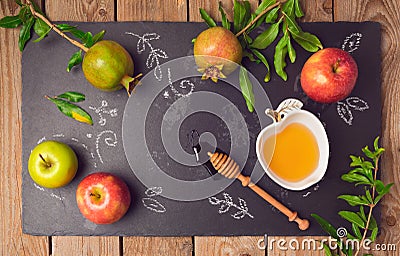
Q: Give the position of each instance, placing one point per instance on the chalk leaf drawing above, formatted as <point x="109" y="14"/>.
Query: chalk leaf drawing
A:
<point x="344" y="109"/>
<point x="153" y="205"/>
<point x="102" y="110"/>
<point x="153" y="59"/>
<point x="352" y="42"/>
<point x="150" y="202"/>
<point x="110" y="140"/>
<point x="227" y="203"/>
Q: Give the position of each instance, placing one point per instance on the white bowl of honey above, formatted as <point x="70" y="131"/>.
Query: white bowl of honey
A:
<point x="294" y="150"/>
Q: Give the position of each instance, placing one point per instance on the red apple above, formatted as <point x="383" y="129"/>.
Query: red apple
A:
<point x="329" y="75"/>
<point x="103" y="198"/>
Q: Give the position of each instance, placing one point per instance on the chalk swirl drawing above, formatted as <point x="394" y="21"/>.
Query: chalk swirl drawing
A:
<point x="185" y="88"/>
<point x="155" y="54"/>
<point x="227" y="203"/>
<point x="150" y="202"/>
<point x="344" y="109"/>
<point x="110" y="140"/>
<point x="352" y="42"/>
<point x="102" y="110"/>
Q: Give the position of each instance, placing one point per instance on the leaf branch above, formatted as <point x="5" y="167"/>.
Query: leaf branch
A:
<point x="54" y="27"/>
<point x="258" y="17"/>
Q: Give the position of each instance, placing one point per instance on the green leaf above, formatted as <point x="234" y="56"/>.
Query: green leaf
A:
<point x="250" y="55"/>
<point x="308" y="41"/>
<point x="280" y="56"/>
<point x="264" y="5"/>
<point x="207" y="18"/>
<point x="297" y="9"/>
<point x="272" y="15"/>
<point x="41" y="28"/>
<point x="247" y="88"/>
<point x="353" y="218"/>
<point x="65" y="27"/>
<point x="225" y="22"/>
<point x="75" y="59"/>
<point x="356" y="231"/>
<point x="78" y="33"/>
<point x="353" y="177"/>
<point x="369" y="197"/>
<point x="355" y="161"/>
<point x="288" y="8"/>
<point x="292" y="24"/>
<point x="72" y="110"/>
<point x="25" y="14"/>
<point x="10" y="22"/>
<point x="262" y="58"/>
<point x="263" y="40"/>
<point x="241" y="14"/>
<point x="25" y="33"/>
<point x="36" y="7"/>
<point x="42" y="36"/>
<point x="368" y="152"/>
<point x="376" y="143"/>
<point x="327" y="250"/>
<point x="372" y="223"/>
<point x="383" y="192"/>
<point x="374" y="233"/>
<point x="72" y="96"/>
<point x="291" y="51"/>
<point x="18" y="2"/>
<point x="326" y="226"/>
<point x="361" y="213"/>
<point x="99" y="36"/>
<point x="353" y="200"/>
<point x="88" y="39"/>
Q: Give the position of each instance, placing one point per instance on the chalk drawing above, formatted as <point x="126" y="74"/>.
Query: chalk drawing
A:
<point x="344" y="109"/>
<point x="60" y="135"/>
<point x="352" y="42"/>
<point x="184" y="85"/>
<point x="102" y="110"/>
<point x="110" y="141"/>
<point x="307" y="194"/>
<point x="227" y="203"/>
<point x="41" y="140"/>
<point x="155" y="54"/>
<point x="151" y="203"/>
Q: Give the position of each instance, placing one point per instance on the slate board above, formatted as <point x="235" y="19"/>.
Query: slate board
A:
<point x="100" y="147"/>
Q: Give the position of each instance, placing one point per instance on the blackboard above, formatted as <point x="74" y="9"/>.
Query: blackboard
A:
<point x="350" y="125"/>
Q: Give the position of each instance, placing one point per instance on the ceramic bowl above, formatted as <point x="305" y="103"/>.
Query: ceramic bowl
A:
<point x="284" y="117"/>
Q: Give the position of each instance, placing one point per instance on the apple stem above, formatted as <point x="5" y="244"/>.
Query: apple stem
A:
<point x="95" y="195"/>
<point x="336" y="65"/>
<point x="47" y="164"/>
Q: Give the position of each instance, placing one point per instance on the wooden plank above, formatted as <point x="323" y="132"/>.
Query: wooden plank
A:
<point x="158" y="246"/>
<point x="385" y="12"/>
<point x="12" y="241"/>
<point x="212" y="8"/>
<point x="317" y="10"/>
<point x="85" y="10"/>
<point x="85" y="246"/>
<point x="152" y="10"/>
<point x="77" y="10"/>
<point x="229" y="246"/>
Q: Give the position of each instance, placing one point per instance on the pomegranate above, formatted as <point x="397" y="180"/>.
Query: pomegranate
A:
<point x="217" y="52"/>
<point x="109" y="67"/>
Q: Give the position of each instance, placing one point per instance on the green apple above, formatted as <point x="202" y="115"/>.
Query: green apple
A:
<point x="52" y="164"/>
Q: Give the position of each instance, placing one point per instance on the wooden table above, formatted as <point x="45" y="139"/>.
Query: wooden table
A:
<point x="13" y="242"/>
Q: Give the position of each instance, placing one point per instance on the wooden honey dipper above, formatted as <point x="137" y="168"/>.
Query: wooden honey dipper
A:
<point x="227" y="167"/>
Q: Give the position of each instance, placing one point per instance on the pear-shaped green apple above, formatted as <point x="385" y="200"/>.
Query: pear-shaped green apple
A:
<point x="52" y="164"/>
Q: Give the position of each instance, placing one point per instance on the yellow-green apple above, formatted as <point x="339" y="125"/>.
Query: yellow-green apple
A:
<point x="329" y="75"/>
<point x="103" y="198"/>
<point x="52" y="164"/>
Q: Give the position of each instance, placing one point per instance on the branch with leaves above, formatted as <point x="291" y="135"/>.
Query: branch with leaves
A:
<point x="31" y="17"/>
<point x="363" y="223"/>
<point x="276" y="16"/>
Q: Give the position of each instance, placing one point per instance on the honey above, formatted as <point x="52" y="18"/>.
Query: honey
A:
<point x="293" y="154"/>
